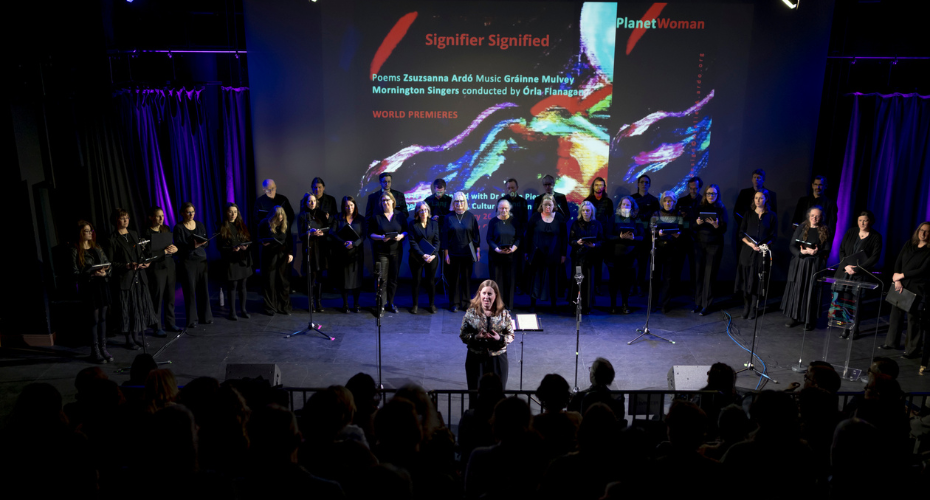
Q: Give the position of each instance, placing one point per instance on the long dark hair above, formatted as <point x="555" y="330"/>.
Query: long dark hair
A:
<point x="79" y="244"/>
<point x="342" y="207"/>
<point x="592" y="186"/>
<point x="822" y="232"/>
<point x="225" y="233"/>
<point x="718" y="203"/>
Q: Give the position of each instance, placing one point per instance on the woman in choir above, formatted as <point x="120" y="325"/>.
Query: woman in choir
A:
<point x="860" y="238"/>
<point x="670" y="254"/>
<point x="504" y="234"/>
<point x="801" y="301"/>
<point x="313" y="225"/>
<point x="423" y="230"/>
<point x="624" y="233"/>
<point x="348" y="254"/>
<point x="127" y="256"/>
<point x="708" y="247"/>
<point x="162" y="274"/>
<point x="912" y="273"/>
<point x="234" y="240"/>
<point x="761" y="225"/>
<point x="277" y="253"/>
<point x="487" y="329"/>
<point x="546" y="239"/>
<point x="190" y="236"/>
<point x="387" y="229"/>
<point x="585" y="238"/>
<point x="460" y="237"/>
<point x="89" y="264"/>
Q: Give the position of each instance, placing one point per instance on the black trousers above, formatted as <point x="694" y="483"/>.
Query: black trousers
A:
<point x="476" y="365"/>
<point x="236" y="289"/>
<point x="503" y="270"/>
<point x="162" y="285"/>
<point x="390" y="266"/>
<point x="419" y="268"/>
<point x="915" y="327"/>
<point x="313" y="283"/>
<point x="621" y="277"/>
<point x="707" y="264"/>
<point x="196" y="290"/>
<point x="666" y="275"/>
<point x="460" y="271"/>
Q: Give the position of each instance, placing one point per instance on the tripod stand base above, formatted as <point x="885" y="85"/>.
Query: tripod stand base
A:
<point x="312" y="327"/>
<point x="645" y="331"/>
<point x="749" y="367"/>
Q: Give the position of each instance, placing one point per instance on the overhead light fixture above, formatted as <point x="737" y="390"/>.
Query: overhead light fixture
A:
<point x="791" y="5"/>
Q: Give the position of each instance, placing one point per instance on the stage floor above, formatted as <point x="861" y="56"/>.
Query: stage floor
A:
<point x="425" y="349"/>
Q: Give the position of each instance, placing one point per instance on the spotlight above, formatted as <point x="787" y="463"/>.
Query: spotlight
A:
<point x="791" y="5"/>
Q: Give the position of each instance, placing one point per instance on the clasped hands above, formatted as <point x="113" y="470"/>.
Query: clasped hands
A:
<point x="506" y="250"/>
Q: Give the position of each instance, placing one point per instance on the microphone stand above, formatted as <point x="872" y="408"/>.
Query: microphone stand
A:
<point x="579" y="277"/>
<point x="379" y="299"/>
<point x="311" y="326"/>
<point x="751" y="367"/>
<point x="652" y="266"/>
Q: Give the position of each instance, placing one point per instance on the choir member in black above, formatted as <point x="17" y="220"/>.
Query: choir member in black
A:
<point x="276" y="255"/>
<point x="348" y="254"/>
<point x="132" y="284"/>
<point x="708" y="233"/>
<point x="374" y="199"/>
<point x="313" y="226"/>
<point x="801" y="302"/>
<point x="561" y="203"/>
<point x="387" y="229"/>
<point x="487" y="329"/>
<point x="162" y="275"/>
<point x="912" y="273"/>
<point x="423" y="229"/>
<point x="817" y="198"/>
<point x="440" y="204"/>
<point x="669" y="251"/>
<point x="603" y="212"/>
<point x="193" y="259"/>
<point x="236" y="259"/>
<point x="460" y="237"/>
<point x="545" y="239"/>
<point x="93" y="289"/>
<point x="264" y="205"/>
<point x="327" y="203"/>
<point x="761" y="225"/>
<point x="585" y="238"/>
<point x="861" y="238"/>
<point x="648" y="205"/>
<point x="688" y="205"/>
<point x="518" y="205"/>
<point x="623" y="234"/>
<point x="504" y="234"/>
<point x="744" y="200"/>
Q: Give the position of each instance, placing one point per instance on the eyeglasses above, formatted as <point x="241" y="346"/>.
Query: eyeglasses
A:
<point x="189" y="213"/>
<point x="87" y="231"/>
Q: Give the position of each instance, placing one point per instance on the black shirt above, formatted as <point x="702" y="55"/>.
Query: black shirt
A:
<point x="264" y="206"/>
<point x="744" y="202"/>
<point x="706" y="234"/>
<point x="914" y="262"/>
<point x="582" y="229"/>
<point x="374" y="203"/>
<point x="561" y="204"/>
<point x="184" y="240"/>
<point x="503" y="233"/>
<point x="438" y="207"/>
<point x="603" y="208"/>
<point x="379" y="224"/>
<point x="457" y="234"/>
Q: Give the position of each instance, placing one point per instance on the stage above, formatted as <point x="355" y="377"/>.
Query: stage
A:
<point x="425" y="348"/>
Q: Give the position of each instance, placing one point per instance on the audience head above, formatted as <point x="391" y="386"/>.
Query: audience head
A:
<point x="511" y="419"/>
<point x="198" y="396"/>
<point x="426" y="412"/>
<point x="627" y="207"/>
<point x="602" y="372"/>
<point x="884" y="366"/>
<point x="776" y="414"/>
<point x="174" y="442"/>
<point x="270" y="188"/>
<point x="488" y="297"/>
<point x="161" y="389"/>
<point x="397" y="429"/>
<point x="733" y="424"/>
<point x="687" y="424"/>
<point x="349" y="207"/>
<point x="326" y="413"/>
<point x="38" y="406"/>
<point x="721" y="378"/>
<point x="883" y="388"/>
<point x="84" y="377"/>
<point x="490" y="391"/>
<point x="853" y="440"/>
<point x="553" y="392"/>
<point x="273" y="435"/>
<point x="142" y="364"/>
<point x="599" y="429"/>
<point x="364" y="392"/>
<point x="385" y="180"/>
<point x="823" y="375"/>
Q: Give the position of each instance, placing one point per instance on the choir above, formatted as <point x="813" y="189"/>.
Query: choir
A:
<point x="528" y="248"/>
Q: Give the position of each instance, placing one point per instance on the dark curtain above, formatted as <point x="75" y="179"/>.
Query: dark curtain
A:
<point x="886" y="168"/>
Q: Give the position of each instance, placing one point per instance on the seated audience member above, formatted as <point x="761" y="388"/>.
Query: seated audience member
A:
<point x="819" y="416"/>
<point x="601" y="376"/>
<point x="856" y="438"/>
<point x="82" y="382"/>
<point x="733" y="426"/>
<point x="687" y="425"/>
<point x="161" y="390"/>
<point x="366" y="397"/>
<point x="475" y="425"/>
<point x="722" y="380"/>
<point x="557" y="427"/>
<point x="883" y="407"/>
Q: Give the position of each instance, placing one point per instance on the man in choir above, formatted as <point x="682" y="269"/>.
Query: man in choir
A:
<point x="440" y="204"/>
<point x="326" y="202"/>
<point x="744" y="201"/>
<point x="817" y="198"/>
<point x="561" y="203"/>
<point x="374" y="199"/>
<point x="603" y="213"/>
<point x="648" y="205"/>
<point x="519" y="207"/>
<point x="688" y="205"/>
<point x="265" y="203"/>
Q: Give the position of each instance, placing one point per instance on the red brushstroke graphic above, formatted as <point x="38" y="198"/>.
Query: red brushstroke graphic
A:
<point x="391" y="40"/>
<point x="572" y="104"/>
<point x="639" y="32"/>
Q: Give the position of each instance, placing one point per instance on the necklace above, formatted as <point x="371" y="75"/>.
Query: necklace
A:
<point x="460" y="217"/>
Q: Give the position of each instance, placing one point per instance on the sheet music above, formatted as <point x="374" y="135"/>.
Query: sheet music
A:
<point x="527" y="322"/>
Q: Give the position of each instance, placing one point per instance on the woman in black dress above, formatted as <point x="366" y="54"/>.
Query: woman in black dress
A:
<point x="761" y="225"/>
<point x="801" y="301"/>
<point x="670" y="254"/>
<point x="912" y="273"/>
<point x="234" y="240"/>
<point x="624" y="233"/>
<point x="277" y="253"/>
<point x="130" y="280"/>
<point x="423" y="229"/>
<point x="504" y="234"/>
<point x="313" y="225"/>
<point x="190" y="236"/>
<point x="91" y="272"/>
<point x="545" y="239"/>
<point x="585" y="238"/>
<point x="387" y="229"/>
<point x="162" y="274"/>
<point x="708" y="247"/>
<point x="348" y="254"/>
<point x="460" y="236"/>
<point x="861" y="238"/>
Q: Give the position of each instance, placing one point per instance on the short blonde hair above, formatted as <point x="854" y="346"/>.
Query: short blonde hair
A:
<point x="460" y="195"/>
<point x="668" y="194"/>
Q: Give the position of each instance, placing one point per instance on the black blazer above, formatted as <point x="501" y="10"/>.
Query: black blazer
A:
<point x="915" y="264"/>
<point x="123" y="251"/>
<point x="418" y="233"/>
<point x="872" y="246"/>
<point x="379" y="224"/>
<point x="400" y="203"/>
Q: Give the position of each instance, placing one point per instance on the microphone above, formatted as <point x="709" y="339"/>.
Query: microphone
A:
<point x="579" y="276"/>
<point x="142" y="243"/>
